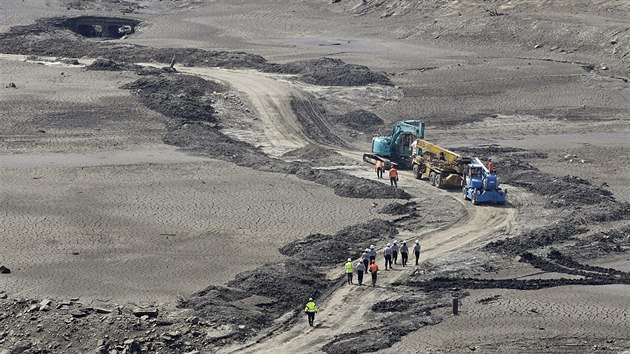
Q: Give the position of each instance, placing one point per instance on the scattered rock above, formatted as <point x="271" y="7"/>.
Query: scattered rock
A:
<point x="102" y="310"/>
<point x="11" y="85"/>
<point x="78" y="314"/>
<point x="150" y="312"/>
<point x="4" y="270"/>
<point x="603" y="67"/>
<point x="537" y="46"/>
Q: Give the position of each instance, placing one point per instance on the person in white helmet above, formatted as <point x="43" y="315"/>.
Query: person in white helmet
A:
<point x="349" y="270"/>
<point x="360" y="270"/>
<point x="365" y="257"/>
<point x="404" y="253"/>
<point x="387" y="252"/>
<point x="395" y="252"/>
<point x="372" y="254"/>
<point x="416" y="251"/>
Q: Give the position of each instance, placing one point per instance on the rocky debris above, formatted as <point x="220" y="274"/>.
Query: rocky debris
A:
<point x="11" y="85"/>
<point x="329" y="72"/>
<point x="141" y="311"/>
<point x="4" y="270"/>
<point x="335" y="249"/>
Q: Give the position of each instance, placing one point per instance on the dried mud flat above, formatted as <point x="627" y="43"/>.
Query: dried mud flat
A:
<point x="193" y="207"/>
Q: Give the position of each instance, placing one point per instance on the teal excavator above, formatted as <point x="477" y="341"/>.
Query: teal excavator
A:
<point x="396" y="148"/>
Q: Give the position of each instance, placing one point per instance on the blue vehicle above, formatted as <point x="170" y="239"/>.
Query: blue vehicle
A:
<point x="482" y="186"/>
<point x="396" y="148"/>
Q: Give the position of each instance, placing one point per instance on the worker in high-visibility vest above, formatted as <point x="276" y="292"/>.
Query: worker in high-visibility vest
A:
<point x="349" y="270"/>
<point x="379" y="169"/>
<point x="393" y="176"/>
<point x="490" y="165"/>
<point x="311" y="309"/>
<point x="374" y="270"/>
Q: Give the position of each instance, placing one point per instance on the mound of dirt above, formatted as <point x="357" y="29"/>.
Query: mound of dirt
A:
<point x="360" y="120"/>
<point x="178" y="96"/>
<point x="322" y="250"/>
<point x="329" y="72"/>
<point x="49" y="37"/>
<point x="255" y="298"/>
<point x="351" y="186"/>
<point x="398" y="209"/>
<point x="103" y="64"/>
<point x="603" y="243"/>
<point x="544" y="236"/>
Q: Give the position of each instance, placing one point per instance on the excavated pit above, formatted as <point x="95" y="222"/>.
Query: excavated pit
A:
<point x="101" y="27"/>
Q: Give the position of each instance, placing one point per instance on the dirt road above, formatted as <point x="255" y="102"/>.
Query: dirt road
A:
<point x="344" y="311"/>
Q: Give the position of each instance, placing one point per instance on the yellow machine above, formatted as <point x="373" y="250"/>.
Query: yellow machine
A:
<point x="441" y="166"/>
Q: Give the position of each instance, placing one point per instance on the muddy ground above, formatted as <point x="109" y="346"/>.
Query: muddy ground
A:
<point x="541" y="88"/>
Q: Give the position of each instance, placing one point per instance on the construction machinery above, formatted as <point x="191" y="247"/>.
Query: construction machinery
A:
<point x="481" y="185"/>
<point x="441" y="166"/>
<point x="396" y="148"/>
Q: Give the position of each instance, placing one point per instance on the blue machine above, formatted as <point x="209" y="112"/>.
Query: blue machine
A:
<point x="396" y="148"/>
<point x="481" y="185"/>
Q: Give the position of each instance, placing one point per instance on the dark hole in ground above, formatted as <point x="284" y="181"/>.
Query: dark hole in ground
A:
<point x="101" y="27"/>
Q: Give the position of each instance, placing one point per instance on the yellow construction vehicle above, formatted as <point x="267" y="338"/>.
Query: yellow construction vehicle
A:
<point x="442" y="167"/>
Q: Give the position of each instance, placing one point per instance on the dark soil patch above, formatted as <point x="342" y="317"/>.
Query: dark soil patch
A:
<point x="330" y="72"/>
<point x="390" y="328"/>
<point x="537" y="238"/>
<point x="360" y="120"/>
<point x="399" y="209"/>
<point x="352" y="187"/>
<point x="397" y="305"/>
<point x="255" y="298"/>
<point x="178" y="96"/>
<point x="327" y="250"/>
<point x="102" y="64"/>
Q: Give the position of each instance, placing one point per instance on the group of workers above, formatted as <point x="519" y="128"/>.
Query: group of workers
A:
<point x="367" y="263"/>
<point x="390" y="254"/>
<point x="393" y="173"/>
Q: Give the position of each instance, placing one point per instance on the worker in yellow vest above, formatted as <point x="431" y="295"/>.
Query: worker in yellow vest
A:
<point x="349" y="270"/>
<point x="379" y="169"/>
<point x="393" y="176"/>
<point x="311" y="309"/>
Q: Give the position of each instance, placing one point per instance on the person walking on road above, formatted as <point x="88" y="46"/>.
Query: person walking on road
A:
<point x="387" y="252"/>
<point x="404" y="253"/>
<point x="366" y="258"/>
<point x="311" y="309"/>
<point x="360" y="270"/>
<point x="379" y="169"/>
<point x="374" y="270"/>
<point x="416" y="251"/>
<point x="393" y="176"/>
<point x="395" y="252"/>
<point x="372" y="254"/>
<point x="349" y="270"/>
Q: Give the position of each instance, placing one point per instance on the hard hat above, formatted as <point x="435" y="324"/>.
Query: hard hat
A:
<point x="310" y="299"/>
<point x="371" y="246"/>
<point x="388" y="244"/>
<point x="349" y="259"/>
<point x="489" y="159"/>
<point x="367" y="250"/>
<point x="395" y="241"/>
<point x="417" y="241"/>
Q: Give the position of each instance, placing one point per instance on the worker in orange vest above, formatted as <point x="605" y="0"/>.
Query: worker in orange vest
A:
<point x="374" y="270"/>
<point x="393" y="176"/>
<point x="379" y="169"/>
<point x="490" y="165"/>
